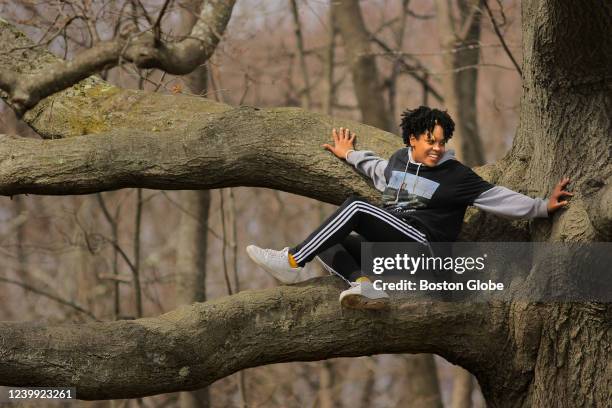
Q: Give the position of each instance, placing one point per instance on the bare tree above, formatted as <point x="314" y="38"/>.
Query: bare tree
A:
<point x="146" y="49"/>
<point x="523" y="354"/>
<point x="459" y="38"/>
<point x="422" y="389"/>
<point x="366" y="80"/>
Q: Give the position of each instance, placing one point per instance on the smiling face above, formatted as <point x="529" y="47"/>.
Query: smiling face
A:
<point x="428" y="148"/>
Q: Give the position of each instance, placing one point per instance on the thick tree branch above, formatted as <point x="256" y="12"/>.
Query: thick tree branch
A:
<point x="196" y="345"/>
<point x="210" y="152"/>
<point x="143" y="49"/>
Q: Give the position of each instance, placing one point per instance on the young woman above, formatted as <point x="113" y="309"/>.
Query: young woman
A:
<point x="425" y="192"/>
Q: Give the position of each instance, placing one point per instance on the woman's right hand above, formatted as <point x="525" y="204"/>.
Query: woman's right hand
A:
<point x="343" y="143"/>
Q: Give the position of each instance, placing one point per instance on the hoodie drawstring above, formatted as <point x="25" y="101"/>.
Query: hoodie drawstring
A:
<point x="416" y="179"/>
<point x="402" y="183"/>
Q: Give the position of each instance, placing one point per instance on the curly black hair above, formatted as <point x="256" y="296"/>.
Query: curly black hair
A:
<point x="418" y="121"/>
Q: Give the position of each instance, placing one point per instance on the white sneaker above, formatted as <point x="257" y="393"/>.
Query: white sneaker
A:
<point x="362" y="295"/>
<point x="276" y="263"/>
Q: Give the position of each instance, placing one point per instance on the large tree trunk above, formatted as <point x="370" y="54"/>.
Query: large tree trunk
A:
<point x="460" y="42"/>
<point x="523" y="354"/>
<point x="565" y="129"/>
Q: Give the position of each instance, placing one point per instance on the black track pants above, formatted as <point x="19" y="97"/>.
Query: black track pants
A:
<point x="358" y="215"/>
<point x="344" y="259"/>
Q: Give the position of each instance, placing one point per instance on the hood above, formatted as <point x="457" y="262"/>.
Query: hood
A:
<point x="448" y="155"/>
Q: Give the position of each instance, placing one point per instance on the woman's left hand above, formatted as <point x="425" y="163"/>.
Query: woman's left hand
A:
<point x="556" y="200"/>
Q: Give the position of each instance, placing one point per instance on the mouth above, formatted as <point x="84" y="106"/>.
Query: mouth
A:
<point x="433" y="156"/>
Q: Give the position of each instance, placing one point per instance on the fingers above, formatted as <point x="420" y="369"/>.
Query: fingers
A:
<point x="343" y="138"/>
<point x="554" y="206"/>
<point x="560" y="204"/>
<point x="559" y="191"/>
<point x="563" y="182"/>
<point x="327" y="147"/>
<point x="342" y="133"/>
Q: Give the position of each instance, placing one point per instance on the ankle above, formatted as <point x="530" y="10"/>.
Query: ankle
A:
<point x="292" y="261"/>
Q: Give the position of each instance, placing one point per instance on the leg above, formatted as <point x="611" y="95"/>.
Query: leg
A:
<point x="355" y="214"/>
<point x="344" y="259"/>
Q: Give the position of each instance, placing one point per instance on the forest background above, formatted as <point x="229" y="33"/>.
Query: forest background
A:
<point x="120" y="254"/>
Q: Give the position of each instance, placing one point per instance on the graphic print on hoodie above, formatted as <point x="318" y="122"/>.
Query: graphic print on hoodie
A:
<point x="413" y="193"/>
<point x="435" y="197"/>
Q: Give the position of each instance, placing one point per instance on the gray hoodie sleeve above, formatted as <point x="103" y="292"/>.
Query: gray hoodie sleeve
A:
<point x="503" y="201"/>
<point x="367" y="163"/>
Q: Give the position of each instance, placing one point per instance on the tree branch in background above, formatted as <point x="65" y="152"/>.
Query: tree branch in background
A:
<point x="501" y="38"/>
<point x="366" y="79"/>
<point x="306" y="99"/>
<point x="411" y="70"/>
<point x="157" y="26"/>
<point x="51" y="296"/>
<point x="143" y="49"/>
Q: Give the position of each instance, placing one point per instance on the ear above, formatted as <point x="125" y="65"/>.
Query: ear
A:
<point x="412" y="140"/>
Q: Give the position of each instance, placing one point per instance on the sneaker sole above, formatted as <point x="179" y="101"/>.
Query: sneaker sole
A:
<point x="362" y="302"/>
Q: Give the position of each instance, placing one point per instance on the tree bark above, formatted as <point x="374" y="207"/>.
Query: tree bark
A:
<point x="210" y="153"/>
<point x="326" y="393"/>
<point x="305" y="93"/>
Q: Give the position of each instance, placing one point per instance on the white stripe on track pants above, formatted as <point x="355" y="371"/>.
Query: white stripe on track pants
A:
<point x="356" y="214"/>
